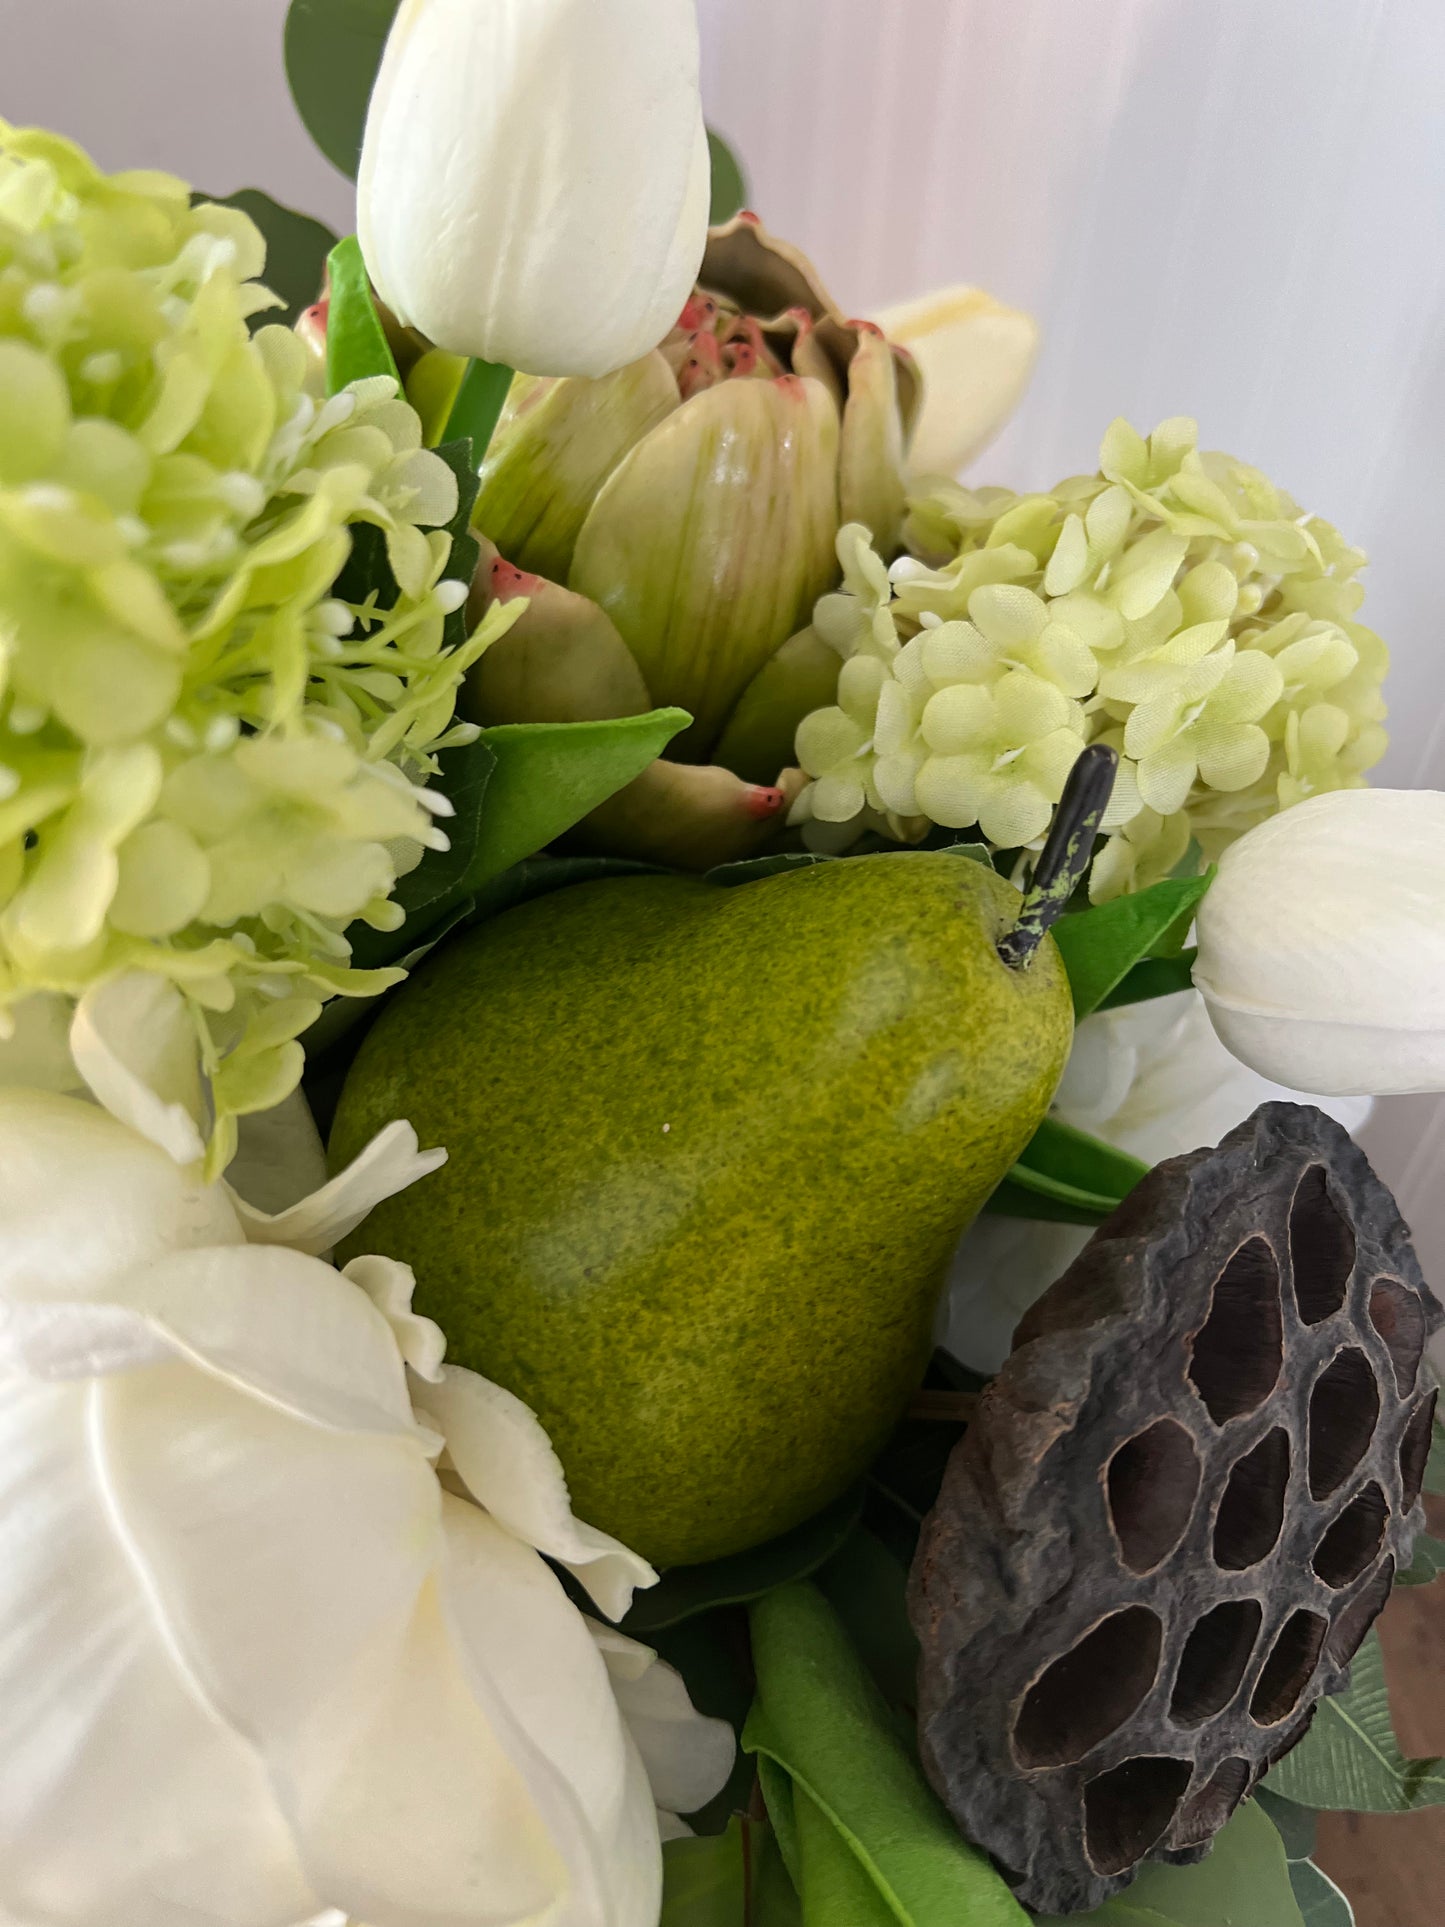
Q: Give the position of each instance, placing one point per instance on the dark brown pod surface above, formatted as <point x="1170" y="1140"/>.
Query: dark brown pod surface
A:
<point x="1177" y="1512"/>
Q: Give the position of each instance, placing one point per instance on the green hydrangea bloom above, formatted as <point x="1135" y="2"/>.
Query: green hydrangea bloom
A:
<point x="1175" y="604"/>
<point x="211" y="763"/>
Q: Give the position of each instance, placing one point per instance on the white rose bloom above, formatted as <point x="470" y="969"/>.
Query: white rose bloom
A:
<point x="257" y="1661"/>
<point x="1151" y="1079"/>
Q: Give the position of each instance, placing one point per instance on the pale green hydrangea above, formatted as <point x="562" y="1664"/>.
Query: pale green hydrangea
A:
<point x="1176" y="605"/>
<point x="211" y="761"/>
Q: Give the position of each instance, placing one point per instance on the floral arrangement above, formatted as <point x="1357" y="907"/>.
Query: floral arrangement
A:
<point x="661" y="1263"/>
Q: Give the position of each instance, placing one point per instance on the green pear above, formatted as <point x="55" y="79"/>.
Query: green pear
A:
<point x="710" y="1150"/>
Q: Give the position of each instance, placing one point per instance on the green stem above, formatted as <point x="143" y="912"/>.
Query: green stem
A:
<point x="1065" y="856"/>
<point x="478" y="406"/>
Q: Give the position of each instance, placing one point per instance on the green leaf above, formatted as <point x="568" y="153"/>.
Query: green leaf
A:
<point x="1297" y="1826"/>
<point x="333" y="49"/>
<point x="296" y="252"/>
<point x="356" y="344"/>
<point x="867" y="1586"/>
<point x="820" y="1717"/>
<point x="478" y="406"/>
<point x="550" y="775"/>
<point x="729" y="183"/>
<point x="703" y="1881"/>
<point x="1427" y="1565"/>
<point x="775" y="1898"/>
<point x="1245" y="1882"/>
<point x="686" y="1591"/>
<point x="1350" y="1759"/>
<point x="756" y="869"/>
<point x="836" y="1889"/>
<point x="1155" y="977"/>
<point x="1068" y="1177"/>
<point x="1320" y="1902"/>
<point x="1102" y="945"/>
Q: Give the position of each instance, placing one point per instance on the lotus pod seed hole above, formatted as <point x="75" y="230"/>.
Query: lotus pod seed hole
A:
<point x="1358" y="1617"/>
<point x="1344" y="1410"/>
<point x="1206" y="1811"/>
<point x="1321" y="1248"/>
<point x="1153" y="1481"/>
<point x="1287" y="1672"/>
<point x="1415" y="1451"/>
<point x="1399" y="1317"/>
<point x="1238" y="1351"/>
<point x="1353" y="1541"/>
<point x="1215" y="1659"/>
<point x="1251" y="1512"/>
<point x="1128" y="1810"/>
<point x="1090" y="1691"/>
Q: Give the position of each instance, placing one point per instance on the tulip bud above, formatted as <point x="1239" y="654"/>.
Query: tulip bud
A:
<point x="535" y="177"/>
<point x="975" y="356"/>
<point x="1322" y="944"/>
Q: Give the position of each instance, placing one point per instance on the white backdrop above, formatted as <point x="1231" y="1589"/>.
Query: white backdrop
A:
<point x="1227" y="208"/>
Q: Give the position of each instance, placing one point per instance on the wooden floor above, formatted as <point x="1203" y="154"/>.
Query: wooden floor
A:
<point x="1393" y="1866"/>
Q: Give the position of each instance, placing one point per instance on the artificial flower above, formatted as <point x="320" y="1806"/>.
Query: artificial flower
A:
<point x="1322" y="943"/>
<point x="1192" y="617"/>
<point x="211" y="743"/>
<point x="975" y="356"/>
<point x="1151" y="1079"/>
<point x="352" y="1684"/>
<point x="535" y="177"/>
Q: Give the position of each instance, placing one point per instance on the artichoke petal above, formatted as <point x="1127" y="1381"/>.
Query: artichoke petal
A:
<point x="690" y="818"/>
<point x="871" y="487"/>
<point x="802" y="676"/>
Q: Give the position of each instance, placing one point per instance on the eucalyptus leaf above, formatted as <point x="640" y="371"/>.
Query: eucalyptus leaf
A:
<point x="729" y="183"/>
<point x="821" y="1718"/>
<point x="1428" y="1564"/>
<point x="297" y="248"/>
<point x="686" y="1591"/>
<point x="356" y="345"/>
<point x="1103" y="944"/>
<point x="1320" y="1902"/>
<point x="1350" y="1759"/>
<point x="1067" y="1176"/>
<point x="333" y="51"/>
<point x="703" y="1881"/>
<point x="1245" y="1882"/>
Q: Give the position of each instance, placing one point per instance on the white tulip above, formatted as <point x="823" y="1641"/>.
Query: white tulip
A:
<point x="1151" y="1079"/>
<point x="257" y="1661"/>
<point x="1322" y="944"/>
<point x="535" y="177"/>
<point x="976" y="357"/>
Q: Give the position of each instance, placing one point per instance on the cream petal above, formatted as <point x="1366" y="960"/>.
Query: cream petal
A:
<point x="687" y="1755"/>
<point x="136" y="1048"/>
<point x="106" y="1740"/>
<point x="84" y="1200"/>
<point x="390" y="1163"/>
<point x="506" y="1461"/>
<point x="390" y="1287"/>
<point x="976" y="357"/>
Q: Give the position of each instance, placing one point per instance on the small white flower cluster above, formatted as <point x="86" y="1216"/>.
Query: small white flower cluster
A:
<point x="1175" y="605"/>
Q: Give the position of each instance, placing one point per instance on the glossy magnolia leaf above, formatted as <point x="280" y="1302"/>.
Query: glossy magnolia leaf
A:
<point x="333" y="49"/>
<point x="1102" y="945"/>
<point x="703" y="1881"/>
<point x="729" y="183"/>
<point x="1245" y="1882"/>
<point x="356" y="344"/>
<point x="1350" y="1759"/>
<point x="821" y="1720"/>
<point x="1428" y="1564"/>
<point x="1155" y="977"/>
<point x="1068" y="1177"/>
<point x="686" y="1591"/>
<point x="478" y="406"/>
<point x="296" y="252"/>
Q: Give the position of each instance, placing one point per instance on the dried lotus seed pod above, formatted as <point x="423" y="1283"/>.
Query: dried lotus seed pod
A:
<point x="1177" y="1512"/>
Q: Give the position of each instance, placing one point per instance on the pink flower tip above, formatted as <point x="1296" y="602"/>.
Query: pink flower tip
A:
<point x="508" y="582"/>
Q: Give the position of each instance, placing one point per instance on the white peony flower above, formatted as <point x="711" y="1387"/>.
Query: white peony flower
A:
<point x="257" y="1659"/>
<point x="1151" y="1079"/>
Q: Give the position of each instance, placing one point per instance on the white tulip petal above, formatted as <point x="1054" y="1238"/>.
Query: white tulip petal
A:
<point x="505" y="1459"/>
<point x="83" y="1200"/>
<point x="69" y="1342"/>
<point x="976" y="357"/>
<point x="532" y="1662"/>
<point x="106" y="1744"/>
<point x="136" y="1048"/>
<point x="280" y="1159"/>
<point x="285" y="1328"/>
<point x="515" y="153"/>
<point x="390" y="1163"/>
<point x="687" y="1755"/>
<point x="390" y="1285"/>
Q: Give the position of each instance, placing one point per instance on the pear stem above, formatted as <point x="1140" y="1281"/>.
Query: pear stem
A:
<point x="1065" y="856"/>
